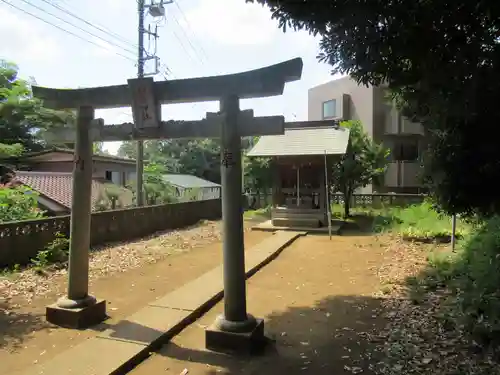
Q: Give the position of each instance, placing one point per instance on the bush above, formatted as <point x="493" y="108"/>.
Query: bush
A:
<point x="56" y="252"/>
<point x="18" y="203"/>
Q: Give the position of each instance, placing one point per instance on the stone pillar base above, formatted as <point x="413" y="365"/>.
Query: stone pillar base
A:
<point x="76" y="317"/>
<point x="251" y="341"/>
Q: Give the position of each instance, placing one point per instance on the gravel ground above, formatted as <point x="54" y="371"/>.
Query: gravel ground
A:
<point x="127" y="276"/>
<point x="23" y="286"/>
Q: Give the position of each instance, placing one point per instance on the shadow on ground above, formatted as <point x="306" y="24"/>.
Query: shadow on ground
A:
<point x="16" y="326"/>
<point x="367" y="224"/>
<point x="330" y="338"/>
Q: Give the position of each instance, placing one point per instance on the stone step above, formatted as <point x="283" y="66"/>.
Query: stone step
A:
<point x="299" y="222"/>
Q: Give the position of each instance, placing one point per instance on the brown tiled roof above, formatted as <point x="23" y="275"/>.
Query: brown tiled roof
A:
<point x="59" y="187"/>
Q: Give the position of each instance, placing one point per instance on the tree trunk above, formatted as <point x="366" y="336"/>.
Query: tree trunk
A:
<point x="347" y="202"/>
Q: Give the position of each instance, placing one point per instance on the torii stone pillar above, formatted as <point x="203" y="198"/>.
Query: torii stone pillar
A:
<point x="78" y="309"/>
<point x="235" y="325"/>
<point x="235" y="318"/>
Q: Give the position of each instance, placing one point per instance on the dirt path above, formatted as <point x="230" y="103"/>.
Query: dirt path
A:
<point x="317" y="301"/>
<point x="128" y="276"/>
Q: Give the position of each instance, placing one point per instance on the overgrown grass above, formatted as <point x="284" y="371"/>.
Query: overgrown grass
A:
<point x="418" y="222"/>
<point x="471" y="279"/>
<point x="422" y="222"/>
<point x="261" y="213"/>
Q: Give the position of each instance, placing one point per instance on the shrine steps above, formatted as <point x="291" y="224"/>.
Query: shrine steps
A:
<point x="304" y="222"/>
<point x="268" y="226"/>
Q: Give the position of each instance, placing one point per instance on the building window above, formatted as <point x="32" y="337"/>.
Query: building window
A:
<point x="109" y="176"/>
<point x="329" y="109"/>
<point x="405" y="150"/>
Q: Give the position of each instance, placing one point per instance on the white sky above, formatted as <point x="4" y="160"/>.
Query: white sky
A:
<point x="197" y="38"/>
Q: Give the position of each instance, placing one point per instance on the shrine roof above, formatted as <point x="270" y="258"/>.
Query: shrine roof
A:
<point x="302" y="142"/>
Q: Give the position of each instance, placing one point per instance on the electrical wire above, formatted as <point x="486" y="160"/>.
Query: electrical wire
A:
<point x="77" y="27"/>
<point x="184" y="47"/>
<point x="189" y="27"/>
<point x="67" y="31"/>
<point x="188" y="39"/>
<point x="92" y="24"/>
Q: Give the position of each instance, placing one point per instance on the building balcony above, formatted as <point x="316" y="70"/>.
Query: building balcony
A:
<point x="395" y="124"/>
<point x="403" y="174"/>
<point x="409" y="127"/>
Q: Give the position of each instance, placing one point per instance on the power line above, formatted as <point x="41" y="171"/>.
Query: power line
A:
<point x="77" y="27"/>
<point x="183" y="46"/>
<point x="67" y="31"/>
<point x="189" y="27"/>
<point x="187" y="37"/>
<point x="94" y="25"/>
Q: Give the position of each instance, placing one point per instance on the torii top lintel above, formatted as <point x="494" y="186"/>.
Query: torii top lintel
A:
<point x="258" y="83"/>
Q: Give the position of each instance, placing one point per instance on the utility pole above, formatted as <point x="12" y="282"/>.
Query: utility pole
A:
<point x="156" y="9"/>
<point x="140" y="74"/>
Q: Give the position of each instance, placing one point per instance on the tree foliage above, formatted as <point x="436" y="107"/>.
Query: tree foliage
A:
<point x="13" y="150"/>
<point x="196" y="157"/>
<point x="258" y="174"/>
<point x="201" y="158"/>
<point x="156" y="189"/>
<point x="440" y="59"/>
<point x="18" y="203"/>
<point x="23" y="119"/>
<point x="364" y="163"/>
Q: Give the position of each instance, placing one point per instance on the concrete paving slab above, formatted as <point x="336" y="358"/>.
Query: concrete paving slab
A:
<point x="129" y="341"/>
<point x="147" y="325"/>
<point x="95" y="356"/>
<point x="193" y="295"/>
<point x="267" y="249"/>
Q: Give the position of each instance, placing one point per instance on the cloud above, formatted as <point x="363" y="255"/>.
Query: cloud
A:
<point x="232" y="22"/>
<point x="24" y="39"/>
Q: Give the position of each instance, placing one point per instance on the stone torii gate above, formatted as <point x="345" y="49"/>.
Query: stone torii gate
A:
<point x="78" y="308"/>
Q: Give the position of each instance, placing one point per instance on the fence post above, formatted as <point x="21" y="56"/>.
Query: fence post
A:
<point x="453" y="231"/>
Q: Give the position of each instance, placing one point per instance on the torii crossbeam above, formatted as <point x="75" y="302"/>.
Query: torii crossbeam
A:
<point x="145" y="96"/>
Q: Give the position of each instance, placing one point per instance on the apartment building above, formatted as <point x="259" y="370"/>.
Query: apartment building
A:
<point x="344" y="99"/>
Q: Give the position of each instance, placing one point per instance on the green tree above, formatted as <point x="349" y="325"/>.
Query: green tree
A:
<point x="98" y="148"/>
<point x="198" y="157"/>
<point x="7" y="151"/>
<point x="23" y="119"/>
<point x="364" y="163"/>
<point x="257" y="173"/>
<point x="440" y="60"/>
<point x="201" y="158"/>
<point x="18" y="203"/>
<point x="156" y="189"/>
<point x="128" y="149"/>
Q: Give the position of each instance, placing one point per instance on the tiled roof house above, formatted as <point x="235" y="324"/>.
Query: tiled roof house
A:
<point x="55" y="190"/>
<point x="50" y="174"/>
